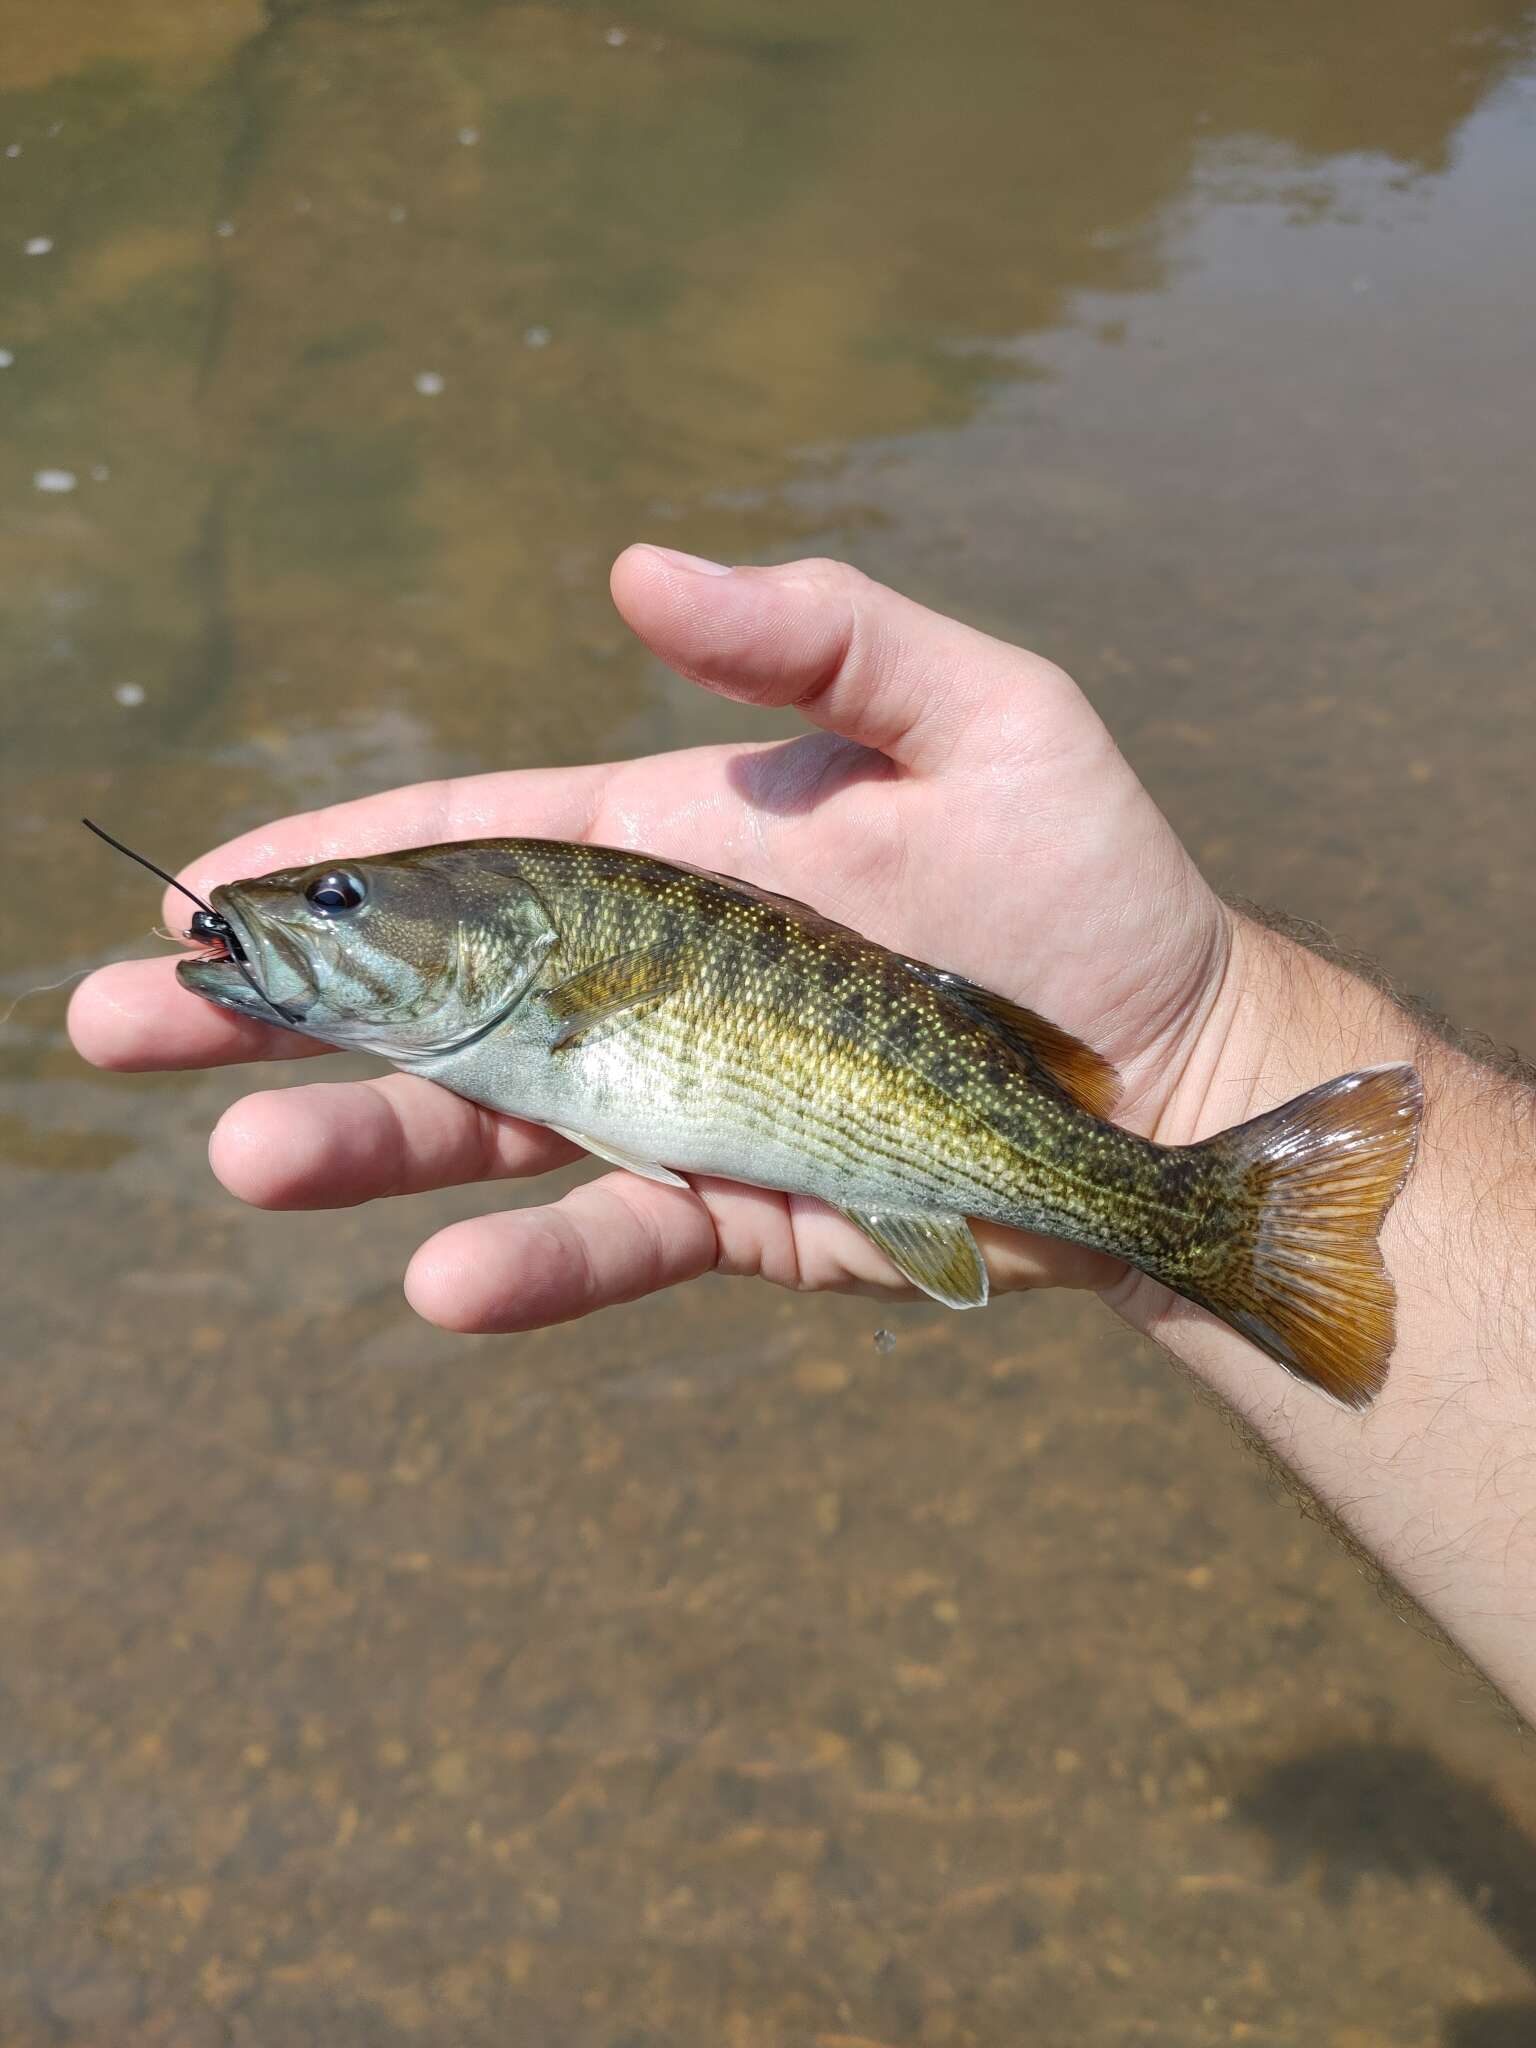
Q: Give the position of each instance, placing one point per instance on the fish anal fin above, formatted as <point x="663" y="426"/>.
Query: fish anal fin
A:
<point x="645" y="1168"/>
<point x="1082" y="1075"/>
<point x="935" y="1252"/>
<point x="623" y="985"/>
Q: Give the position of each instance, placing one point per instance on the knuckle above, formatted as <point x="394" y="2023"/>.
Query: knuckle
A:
<point x="828" y="577"/>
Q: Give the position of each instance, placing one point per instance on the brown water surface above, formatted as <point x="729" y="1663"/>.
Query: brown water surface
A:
<point x="703" y="1675"/>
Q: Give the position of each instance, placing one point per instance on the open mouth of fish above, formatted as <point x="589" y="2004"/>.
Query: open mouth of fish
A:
<point x="236" y="966"/>
<point x="215" y="949"/>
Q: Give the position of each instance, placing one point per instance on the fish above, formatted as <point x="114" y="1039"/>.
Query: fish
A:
<point x="674" y="1021"/>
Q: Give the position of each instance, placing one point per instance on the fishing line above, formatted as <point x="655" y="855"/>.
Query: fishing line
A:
<point x="44" y="988"/>
<point x="208" y="924"/>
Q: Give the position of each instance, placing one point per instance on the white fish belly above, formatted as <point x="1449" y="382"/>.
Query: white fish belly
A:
<point x="631" y="1097"/>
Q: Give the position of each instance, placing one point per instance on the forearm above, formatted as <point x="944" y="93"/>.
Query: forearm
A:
<point x="1437" y="1480"/>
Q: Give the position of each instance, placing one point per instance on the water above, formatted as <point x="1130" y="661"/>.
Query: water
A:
<point x="710" y="1673"/>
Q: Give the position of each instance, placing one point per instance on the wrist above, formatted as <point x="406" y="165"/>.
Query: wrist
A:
<point x="1437" y="1479"/>
<point x="1286" y="1016"/>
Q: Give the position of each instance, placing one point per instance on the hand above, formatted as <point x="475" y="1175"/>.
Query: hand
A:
<point x="963" y="804"/>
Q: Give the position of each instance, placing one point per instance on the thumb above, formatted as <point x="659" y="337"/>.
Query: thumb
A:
<point x="851" y="655"/>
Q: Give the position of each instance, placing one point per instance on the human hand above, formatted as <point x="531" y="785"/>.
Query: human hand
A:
<point x="962" y="804"/>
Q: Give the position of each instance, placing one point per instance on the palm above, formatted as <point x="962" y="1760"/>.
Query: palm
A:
<point x="1000" y="835"/>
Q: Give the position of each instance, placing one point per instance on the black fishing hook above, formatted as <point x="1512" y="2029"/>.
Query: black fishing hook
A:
<point x="207" y="924"/>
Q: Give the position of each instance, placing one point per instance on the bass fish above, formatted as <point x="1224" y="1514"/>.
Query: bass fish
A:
<point x="674" y="1021"/>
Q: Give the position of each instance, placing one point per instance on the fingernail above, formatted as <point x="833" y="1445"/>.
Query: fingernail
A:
<point x="695" y="564"/>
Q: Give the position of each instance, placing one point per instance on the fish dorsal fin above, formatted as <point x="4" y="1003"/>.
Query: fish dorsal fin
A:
<point x="802" y="912"/>
<point x="1083" y="1076"/>
<point x="620" y="986"/>
<point x="1074" y="1069"/>
<point x="935" y="1252"/>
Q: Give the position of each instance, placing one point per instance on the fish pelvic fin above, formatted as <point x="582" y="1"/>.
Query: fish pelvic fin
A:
<point x="935" y="1252"/>
<point x="647" y="1169"/>
<point x="1303" y="1277"/>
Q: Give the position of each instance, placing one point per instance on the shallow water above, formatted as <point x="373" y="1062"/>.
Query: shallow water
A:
<point x="707" y="1674"/>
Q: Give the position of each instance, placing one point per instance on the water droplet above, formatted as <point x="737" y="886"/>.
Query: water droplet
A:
<point x="469" y="137"/>
<point x="99" y="472"/>
<point x="6" y="359"/>
<point x="39" y="245"/>
<point x="13" y="149"/>
<point x="616" y="38"/>
<point x="225" y="228"/>
<point x="54" y="479"/>
<point x="428" y="383"/>
<point x="398" y="214"/>
<point x="303" y="205"/>
<point x="536" y="337"/>
<point x="885" y="1342"/>
<point x="130" y="695"/>
<point x="55" y="129"/>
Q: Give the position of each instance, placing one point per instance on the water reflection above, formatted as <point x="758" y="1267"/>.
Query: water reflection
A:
<point x="738" y="242"/>
<point x="706" y="1673"/>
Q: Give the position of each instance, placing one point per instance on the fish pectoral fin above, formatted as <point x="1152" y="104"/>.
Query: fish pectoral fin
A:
<point x="936" y="1253"/>
<point x="623" y="985"/>
<point x="630" y="1164"/>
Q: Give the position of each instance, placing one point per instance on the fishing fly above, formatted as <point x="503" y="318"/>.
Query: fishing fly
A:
<point x="207" y="926"/>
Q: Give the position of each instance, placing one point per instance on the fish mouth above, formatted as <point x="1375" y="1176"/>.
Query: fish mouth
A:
<point x="259" y="972"/>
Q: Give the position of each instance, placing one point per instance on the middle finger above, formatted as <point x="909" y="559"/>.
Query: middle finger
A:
<point x="338" y="1143"/>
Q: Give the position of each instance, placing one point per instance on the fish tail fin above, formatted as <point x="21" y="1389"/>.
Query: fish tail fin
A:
<point x="1312" y="1181"/>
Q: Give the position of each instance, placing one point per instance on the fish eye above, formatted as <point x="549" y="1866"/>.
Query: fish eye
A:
<point x="335" y="892"/>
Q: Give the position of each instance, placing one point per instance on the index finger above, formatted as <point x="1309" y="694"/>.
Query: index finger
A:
<point x="135" y="1016"/>
<point x="541" y="803"/>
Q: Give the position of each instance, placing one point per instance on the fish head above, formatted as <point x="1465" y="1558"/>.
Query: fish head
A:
<point x="405" y="954"/>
